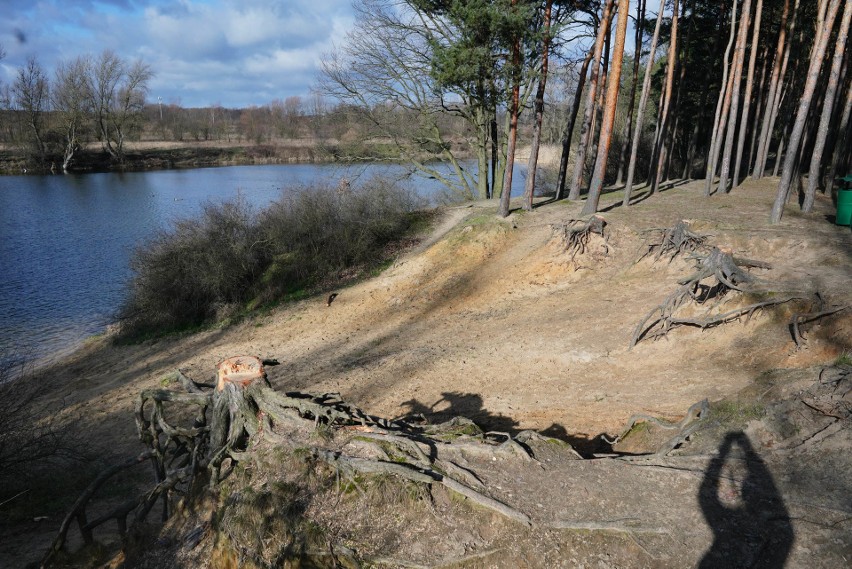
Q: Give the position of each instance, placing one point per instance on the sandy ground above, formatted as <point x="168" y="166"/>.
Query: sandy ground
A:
<point x="494" y="321"/>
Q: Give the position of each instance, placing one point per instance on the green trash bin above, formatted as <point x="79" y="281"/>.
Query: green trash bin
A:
<point x="844" y="202"/>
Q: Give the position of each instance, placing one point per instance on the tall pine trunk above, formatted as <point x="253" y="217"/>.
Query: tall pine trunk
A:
<point x="744" y="123"/>
<point x="659" y="159"/>
<point x="631" y="101"/>
<point x="506" y="196"/>
<point x="569" y="127"/>
<point x="844" y="140"/>
<point x="680" y="69"/>
<point x="721" y="108"/>
<point x="815" y="171"/>
<point x="761" y="91"/>
<point x="532" y="164"/>
<point x="643" y="101"/>
<point x="591" y="98"/>
<point x="817" y="55"/>
<point x="609" y="112"/>
<point x="774" y="103"/>
<point x="739" y="59"/>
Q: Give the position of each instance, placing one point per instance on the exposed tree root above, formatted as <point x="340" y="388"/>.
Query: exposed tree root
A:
<point x="717" y="273"/>
<point x="231" y="420"/>
<point x="575" y="234"/>
<point x="685" y="427"/>
<point x="817" y="312"/>
<point x="673" y="241"/>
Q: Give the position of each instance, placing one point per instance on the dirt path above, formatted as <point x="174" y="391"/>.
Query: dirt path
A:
<point x="491" y="319"/>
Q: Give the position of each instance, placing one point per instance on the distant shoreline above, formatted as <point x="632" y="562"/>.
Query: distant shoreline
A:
<point x="142" y="156"/>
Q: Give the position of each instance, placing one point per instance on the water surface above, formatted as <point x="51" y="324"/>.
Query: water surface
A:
<point x="65" y="241"/>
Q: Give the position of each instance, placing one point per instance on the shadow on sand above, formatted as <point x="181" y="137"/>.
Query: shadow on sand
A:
<point x="751" y="526"/>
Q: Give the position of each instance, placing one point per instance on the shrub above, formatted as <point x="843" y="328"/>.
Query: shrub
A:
<point x="214" y="265"/>
<point x="182" y="276"/>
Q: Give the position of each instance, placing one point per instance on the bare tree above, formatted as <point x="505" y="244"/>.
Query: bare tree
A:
<point x="31" y="95"/>
<point x="127" y="110"/>
<point x="385" y="62"/>
<point x="71" y="101"/>
<point x="103" y="85"/>
<point x="609" y="113"/>
<point x="118" y="96"/>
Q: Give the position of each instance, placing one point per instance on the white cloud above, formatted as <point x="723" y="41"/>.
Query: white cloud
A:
<point x="236" y="52"/>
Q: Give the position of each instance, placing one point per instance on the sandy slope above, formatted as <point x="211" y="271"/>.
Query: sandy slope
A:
<point x="494" y="321"/>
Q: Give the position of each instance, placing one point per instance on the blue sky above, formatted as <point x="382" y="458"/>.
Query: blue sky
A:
<point x="232" y="52"/>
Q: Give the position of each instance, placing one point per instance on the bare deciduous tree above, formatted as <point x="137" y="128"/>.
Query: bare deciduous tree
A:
<point x="118" y="96"/>
<point x="32" y="96"/>
<point x="71" y="99"/>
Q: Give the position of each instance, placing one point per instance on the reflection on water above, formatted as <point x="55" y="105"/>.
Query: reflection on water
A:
<point x="65" y="241"/>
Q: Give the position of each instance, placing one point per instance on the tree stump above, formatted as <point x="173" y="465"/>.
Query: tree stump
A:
<point x="239" y="370"/>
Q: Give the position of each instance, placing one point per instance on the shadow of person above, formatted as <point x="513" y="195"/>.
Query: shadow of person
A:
<point x="751" y="525"/>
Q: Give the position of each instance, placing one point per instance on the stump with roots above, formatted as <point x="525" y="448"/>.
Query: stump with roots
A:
<point x="230" y="418"/>
<point x="717" y="274"/>
<point x="576" y="233"/>
<point x="673" y="241"/>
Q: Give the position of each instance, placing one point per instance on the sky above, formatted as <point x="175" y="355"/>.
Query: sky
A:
<point x="235" y="53"/>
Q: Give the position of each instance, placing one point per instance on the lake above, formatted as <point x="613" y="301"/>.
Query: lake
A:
<point x="66" y="240"/>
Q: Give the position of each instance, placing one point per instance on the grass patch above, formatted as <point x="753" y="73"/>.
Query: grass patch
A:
<point x="844" y="359"/>
<point x="732" y="412"/>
